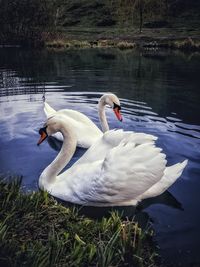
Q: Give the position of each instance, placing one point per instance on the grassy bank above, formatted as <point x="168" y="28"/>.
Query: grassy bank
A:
<point x="184" y="44"/>
<point x="37" y="231"/>
<point x="181" y="39"/>
<point x="67" y="43"/>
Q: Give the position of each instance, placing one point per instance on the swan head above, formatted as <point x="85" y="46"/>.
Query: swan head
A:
<point x="52" y="126"/>
<point x="112" y="101"/>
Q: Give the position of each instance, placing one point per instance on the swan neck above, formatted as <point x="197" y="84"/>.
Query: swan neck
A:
<point x="49" y="175"/>
<point x="102" y="116"/>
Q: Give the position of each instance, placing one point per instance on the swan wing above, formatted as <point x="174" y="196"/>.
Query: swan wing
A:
<point x="48" y="110"/>
<point x="116" y="136"/>
<point x="73" y="114"/>
<point x="127" y="171"/>
<point x="111" y="139"/>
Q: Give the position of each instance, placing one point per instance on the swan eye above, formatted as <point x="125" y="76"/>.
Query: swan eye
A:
<point x="44" y="129"/>
<point x="43" y="135"/>
<point x="116" y="109"/>
<point x="115" y="106"/>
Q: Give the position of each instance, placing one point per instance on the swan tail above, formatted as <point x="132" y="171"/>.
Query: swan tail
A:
<point x="171" y="174"/>
<point x="174" y="172"/>
<point x="48" y="110"/>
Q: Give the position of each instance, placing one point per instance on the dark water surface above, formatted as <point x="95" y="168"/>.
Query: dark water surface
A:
<point x="159" y="94"/>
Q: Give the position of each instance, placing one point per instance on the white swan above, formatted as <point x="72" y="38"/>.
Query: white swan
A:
<point x="86" y="131"/>
<point x="121" y="168"/>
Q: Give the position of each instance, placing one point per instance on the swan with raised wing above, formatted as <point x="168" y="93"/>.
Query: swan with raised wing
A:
<point x="86" y="131"/>
<point x="121" y="168"/>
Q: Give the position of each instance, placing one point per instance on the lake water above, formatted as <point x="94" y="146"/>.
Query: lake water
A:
<point x="159" y="93"/>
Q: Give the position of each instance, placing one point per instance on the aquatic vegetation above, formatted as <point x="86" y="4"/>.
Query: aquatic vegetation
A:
<point x="126" y="45"/>
<point x="36" y="230"/>
<point x="62" y="43"/>
<point x="67" y="43"/>
<point x="186" y="44"/>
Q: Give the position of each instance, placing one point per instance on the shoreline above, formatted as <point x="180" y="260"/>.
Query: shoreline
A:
<point x="126" y="38"/>
<point x="184" y="39"/>
<point x="184" y="44"/>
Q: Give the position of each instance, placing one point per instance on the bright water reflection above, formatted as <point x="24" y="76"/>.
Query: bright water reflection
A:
<point x="159" y="95"/>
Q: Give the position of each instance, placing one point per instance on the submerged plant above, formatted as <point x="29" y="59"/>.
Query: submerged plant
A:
<point x="35" y="230"/>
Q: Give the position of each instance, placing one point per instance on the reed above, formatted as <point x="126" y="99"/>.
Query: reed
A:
<point x="126" y="45"/>
<point x="61" y="43"/>
<point x="186" y="44"/>
<point x="67" y="43"/>
<point x="36" y="230"/>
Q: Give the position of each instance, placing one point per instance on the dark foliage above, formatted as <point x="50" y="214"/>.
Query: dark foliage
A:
<point x="33" y="22"/>
<point x="25" y="21"/>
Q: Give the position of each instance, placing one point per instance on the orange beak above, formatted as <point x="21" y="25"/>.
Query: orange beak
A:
<point x="43" y="136"/>
<point x="118" y="114"/>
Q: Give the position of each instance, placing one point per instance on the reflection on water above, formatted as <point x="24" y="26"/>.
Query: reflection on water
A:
<point x="159" y="94"/>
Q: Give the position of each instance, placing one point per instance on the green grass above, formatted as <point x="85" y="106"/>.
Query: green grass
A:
<point x="35" y="230"/>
